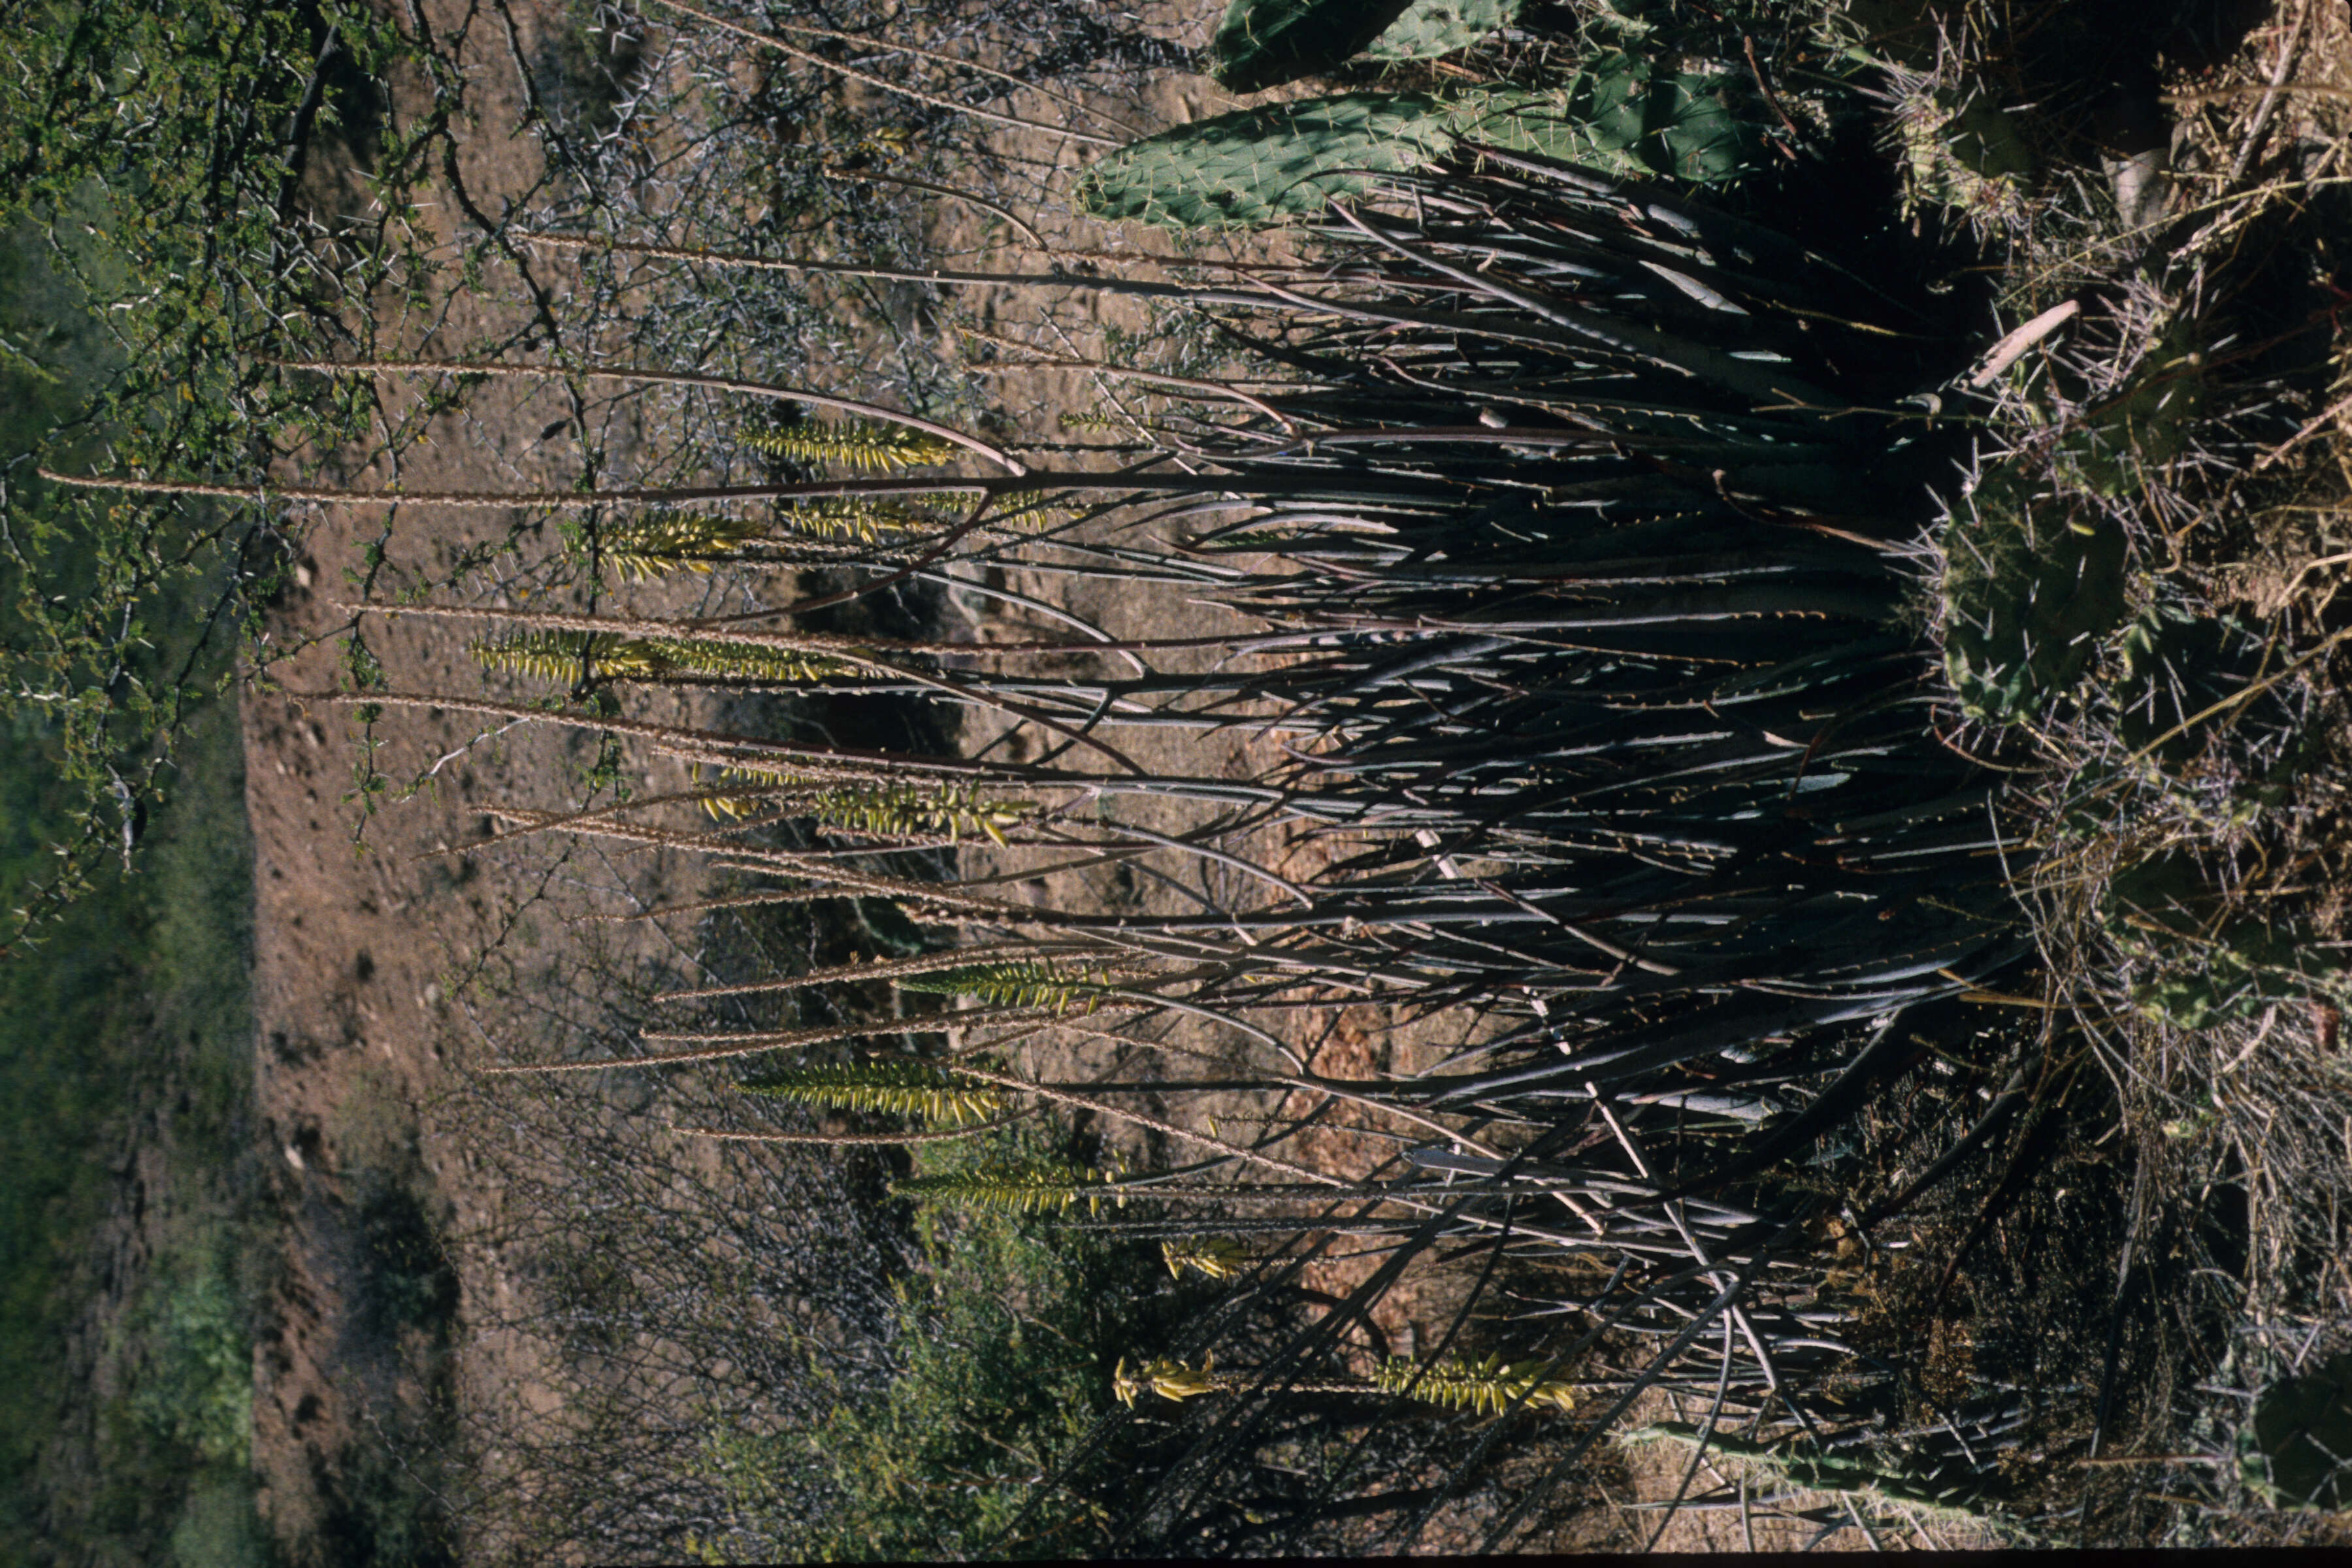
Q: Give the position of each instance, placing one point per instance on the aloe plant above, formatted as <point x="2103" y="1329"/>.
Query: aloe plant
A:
<point x="1491" y="1386"/>
<point x="1573" y="525"/>
<point x="661" y="542"/>
<point x="880" y="810"/>
<point x="1037" y="1186"/>
<point x="903" y="1089"/>
<point x="1487" y="1387"/>
<point x="1019" y="983"/>
<point x="565" y="655"/>
<point x="852" y="443"/>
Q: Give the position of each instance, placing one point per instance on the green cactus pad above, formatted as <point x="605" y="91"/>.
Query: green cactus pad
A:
<point x="2211" y="961"/>
<point x="2176" y="664"/>
<point x="1433" y="27"/>
<point x="1985" y="140"/>
<point x="1258" y="166"/>
<point x="2130" y="434"/>
<point x="1264" y="43"/>
<point x="2029" y="591"/>
<point x="2296" y="1449"/>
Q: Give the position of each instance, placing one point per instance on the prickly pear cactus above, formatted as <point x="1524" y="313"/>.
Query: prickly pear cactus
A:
<point x="1264" y="43"/>
<point x="2176" y="664"/>
<point x="1693" y="129"/>
<point x="2296" y="1449"/>
<point x="2028" y="590"/>
<point x="1433" y="27"/>
<point x="2128" y="437"/>
<point x="2209" y="959"/>
<point x="1259" y="166"/>
<point x="1264" y="165"/>
<point x="1962" y="154"/>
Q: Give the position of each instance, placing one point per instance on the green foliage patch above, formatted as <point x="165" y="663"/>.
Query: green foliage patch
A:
<point x="1002" y="1363"/>
<point x="152" y="169"/>
<point x="146" y="977"/>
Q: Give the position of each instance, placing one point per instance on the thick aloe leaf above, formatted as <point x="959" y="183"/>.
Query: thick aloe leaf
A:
<point x="1264" y="43"/>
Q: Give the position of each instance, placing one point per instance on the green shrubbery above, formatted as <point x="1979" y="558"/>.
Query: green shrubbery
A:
<point x="197" y="1393"/>
<point x="142" y="984"/>
<point x="1000" y="1367"/>
<point x="155" y="157"/>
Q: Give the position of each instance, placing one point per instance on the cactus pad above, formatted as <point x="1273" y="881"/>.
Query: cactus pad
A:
<point x="1432" y="27"/>
<point x="2177" y="665"/>
<point x="1258" y="166"/>
<point x="2134" y="432"/>
<point x="2211" y="960"/>
<point x="2029" y="590"/>
<point x="2296" y="1449"/>
<point x="1264" y="43"/>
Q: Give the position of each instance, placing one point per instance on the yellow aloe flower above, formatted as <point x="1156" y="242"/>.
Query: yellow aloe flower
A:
<point x="1169" y="1379"/>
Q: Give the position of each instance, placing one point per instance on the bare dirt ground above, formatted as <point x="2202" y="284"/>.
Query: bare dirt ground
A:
<point x="366" y="931"/>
